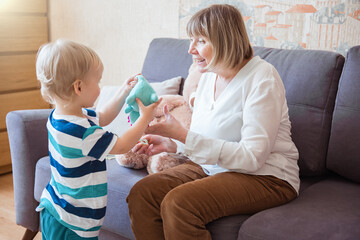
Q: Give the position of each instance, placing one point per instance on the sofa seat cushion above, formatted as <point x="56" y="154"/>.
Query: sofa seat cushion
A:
<point x="329" y="209"/>
<point x="226" y="228"/>
<point x="120" y="181"/>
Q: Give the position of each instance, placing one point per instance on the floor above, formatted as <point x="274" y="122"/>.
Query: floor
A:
<point x="8" y="228"/>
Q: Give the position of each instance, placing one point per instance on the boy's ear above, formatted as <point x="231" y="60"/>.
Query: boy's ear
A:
<point x="77" y="87"/>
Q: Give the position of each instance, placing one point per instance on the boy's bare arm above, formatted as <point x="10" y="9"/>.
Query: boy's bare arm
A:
<point x="128" y="140"/>
<point x="112" y="108"/>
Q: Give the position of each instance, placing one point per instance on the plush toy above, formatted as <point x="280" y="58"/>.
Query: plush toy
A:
<point x="178" y="107"/>
<point x="144" y="92"/>
<point x="153" y="164"/>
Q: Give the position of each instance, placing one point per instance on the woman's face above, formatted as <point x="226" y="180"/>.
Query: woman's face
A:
<point x="201" y="50"/>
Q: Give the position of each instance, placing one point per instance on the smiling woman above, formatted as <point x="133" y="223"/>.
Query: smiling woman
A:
<point x="239" y="122"/>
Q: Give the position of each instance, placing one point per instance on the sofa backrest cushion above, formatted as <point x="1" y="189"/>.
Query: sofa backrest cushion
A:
<point x="344" y="145"/>
<point x="167" y="58"/>
<point x="311" y="80"/>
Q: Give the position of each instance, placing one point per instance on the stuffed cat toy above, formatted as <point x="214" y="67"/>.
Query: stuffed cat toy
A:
<point x="178" y="107"/>
<point x="144" y="92"/>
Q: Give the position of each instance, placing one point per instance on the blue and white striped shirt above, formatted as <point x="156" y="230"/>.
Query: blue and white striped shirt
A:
<point x="77" y="192"/>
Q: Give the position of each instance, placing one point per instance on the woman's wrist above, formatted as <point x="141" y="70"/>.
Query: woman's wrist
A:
<point x="172" y="146"/>
<point x="182" y="135"/>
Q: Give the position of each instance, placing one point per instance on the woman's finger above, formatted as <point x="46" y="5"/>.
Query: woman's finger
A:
<point x="166" y="112"/>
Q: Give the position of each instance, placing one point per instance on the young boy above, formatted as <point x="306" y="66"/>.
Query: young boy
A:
<point x="73" y="203"/>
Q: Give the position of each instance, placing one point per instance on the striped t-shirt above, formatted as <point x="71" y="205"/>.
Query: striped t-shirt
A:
<point x="77" y="192"/>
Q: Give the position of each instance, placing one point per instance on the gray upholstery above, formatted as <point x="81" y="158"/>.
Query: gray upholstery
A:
<point x="311" y="80"/>
<point x="328" y="204"/>
<point x="164" y="60"/>
<point x="343" y="156"/>
<point x="28" y="142"/>
<point x="329" y="209"/>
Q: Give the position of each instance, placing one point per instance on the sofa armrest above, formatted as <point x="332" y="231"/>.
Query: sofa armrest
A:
<point x="28" y="143"/>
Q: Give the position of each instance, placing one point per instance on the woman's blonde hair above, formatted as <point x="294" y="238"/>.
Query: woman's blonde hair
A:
<point x="59" y="64"/>
<point x="224" y="27"/>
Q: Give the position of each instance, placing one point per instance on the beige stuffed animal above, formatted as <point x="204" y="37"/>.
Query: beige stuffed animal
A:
<point x="158" y="162"/>
<point x="178" y="107"/>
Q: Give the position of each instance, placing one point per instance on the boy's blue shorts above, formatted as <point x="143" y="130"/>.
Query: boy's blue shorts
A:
<point x="51" y="229"/>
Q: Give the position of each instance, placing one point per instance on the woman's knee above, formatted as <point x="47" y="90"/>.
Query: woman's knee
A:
<point x="180" y="210"/>
<point x="176" y="202"/>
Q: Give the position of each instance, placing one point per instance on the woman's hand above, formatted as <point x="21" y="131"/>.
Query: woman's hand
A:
<point x="171" y="127"/>
<point x="154" y="144"/>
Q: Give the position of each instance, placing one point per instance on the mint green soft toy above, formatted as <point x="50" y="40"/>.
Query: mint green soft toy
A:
<point x="142" y="91"/>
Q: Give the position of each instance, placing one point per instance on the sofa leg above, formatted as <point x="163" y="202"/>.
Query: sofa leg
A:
<point x="29" y="235"/>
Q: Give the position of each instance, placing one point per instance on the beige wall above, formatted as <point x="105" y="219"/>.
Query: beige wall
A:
<point x="118" y="30"/>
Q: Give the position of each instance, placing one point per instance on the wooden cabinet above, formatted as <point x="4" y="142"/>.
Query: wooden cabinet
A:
<point x="23" y="29"/>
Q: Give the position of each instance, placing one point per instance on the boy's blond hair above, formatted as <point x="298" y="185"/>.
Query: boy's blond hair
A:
<point x="59" y="64"/>
<point x="224" y="27"/>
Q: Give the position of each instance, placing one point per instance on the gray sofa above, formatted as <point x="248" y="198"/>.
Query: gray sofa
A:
<point x="323" y="94"/>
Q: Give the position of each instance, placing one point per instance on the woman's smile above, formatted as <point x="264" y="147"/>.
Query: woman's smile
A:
<point x="199" y="60"/>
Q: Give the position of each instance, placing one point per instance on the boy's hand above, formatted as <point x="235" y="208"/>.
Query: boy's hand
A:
<point x="148" y="112"/>
<point x="130" y="83"/>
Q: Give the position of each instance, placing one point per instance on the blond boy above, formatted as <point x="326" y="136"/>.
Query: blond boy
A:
<point x="73" y="203"/>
